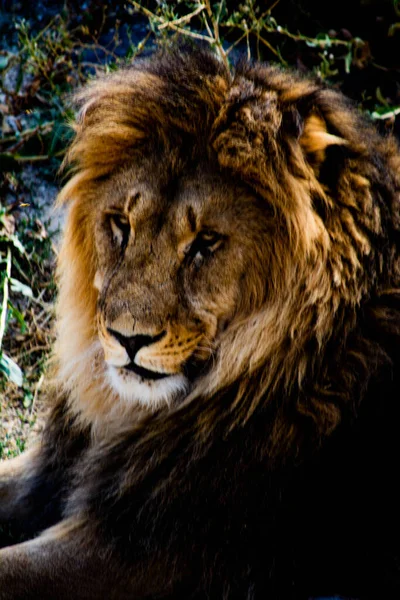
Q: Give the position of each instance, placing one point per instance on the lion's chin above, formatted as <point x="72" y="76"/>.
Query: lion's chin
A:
<point x="132" y="388"/>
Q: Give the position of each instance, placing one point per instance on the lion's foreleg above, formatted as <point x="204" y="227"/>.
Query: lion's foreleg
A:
<point x="65" y="562"/>
<point x="15" y="475"/>
<point x="12" y="473"/>
<point x="30" y="494"/>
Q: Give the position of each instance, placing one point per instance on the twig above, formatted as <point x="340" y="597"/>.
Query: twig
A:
<point x="217" y="38"/>
<point x="144" y="11"/>
<point x="141" y="45"/>
<point x="48" y="26"/>
<point x="271" y="8"/>
<point x="184" y="19"/>
<point x="304" y="38"/>
<point x="24" y="159"/>
<point x="35" y="395"/>
<point x="28" y="133"/>
<point x="210" y="33"/>
<point x="248" y="45"/>
<point x="34" y="350"/>
<point x="170" y="24"/>
<point x="5" y="296"/>
<point x="219" y="11"/>
<point x="193" y="34"/>
<point x="229" y="50"/>
<point x="271" y="48"/>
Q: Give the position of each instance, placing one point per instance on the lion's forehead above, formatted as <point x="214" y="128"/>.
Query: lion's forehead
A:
<point x="162" y="200"/>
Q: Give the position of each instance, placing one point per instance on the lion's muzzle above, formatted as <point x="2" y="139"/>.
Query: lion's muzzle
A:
<point x="132" y="345"/>
<point x="148" y="354"/>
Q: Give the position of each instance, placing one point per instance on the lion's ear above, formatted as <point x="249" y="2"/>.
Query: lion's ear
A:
<point x="315" y="140"/>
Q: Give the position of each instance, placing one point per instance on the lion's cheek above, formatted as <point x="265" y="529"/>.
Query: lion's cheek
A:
<point x="114" y="354"/>
<point x="169" y="355"/>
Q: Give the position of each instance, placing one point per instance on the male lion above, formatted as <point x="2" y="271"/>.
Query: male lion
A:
<point x="225" y="417"/>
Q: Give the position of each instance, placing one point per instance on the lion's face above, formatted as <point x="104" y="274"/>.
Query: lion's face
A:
<point x="175" y="260"/>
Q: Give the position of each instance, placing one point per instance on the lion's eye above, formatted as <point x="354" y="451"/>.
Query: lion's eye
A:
<point x="120" y="228"/>
<point x="205" y="244"/>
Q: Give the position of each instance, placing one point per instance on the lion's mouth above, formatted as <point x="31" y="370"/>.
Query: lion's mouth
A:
<point x="145" y="373"/>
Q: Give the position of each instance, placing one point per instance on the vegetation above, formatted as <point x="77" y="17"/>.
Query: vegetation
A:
<point x="51" y="48"/>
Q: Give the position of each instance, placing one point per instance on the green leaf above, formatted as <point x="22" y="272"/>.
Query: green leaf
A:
<point x="321" y="40"/>
<point x="11" y="369"/>
<point x="20" y="288"/>
<point x="324" y="37"/>
<point x="393" y="29"/>
<point x="385" y="112"/>
<point x="15" y="241"/>
<point x="348" y="59"/>
<point x="18" y="315"/>
<point x="28" y="399"/>
<point x="3" y="62"/>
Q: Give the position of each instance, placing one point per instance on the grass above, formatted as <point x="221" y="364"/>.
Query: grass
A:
<point x="47" y="56"/>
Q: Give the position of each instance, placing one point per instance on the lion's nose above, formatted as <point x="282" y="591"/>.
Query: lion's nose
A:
<point x="134" y="343"/>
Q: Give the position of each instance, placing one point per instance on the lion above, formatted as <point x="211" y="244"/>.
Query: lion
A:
<point x="224" y="414"/>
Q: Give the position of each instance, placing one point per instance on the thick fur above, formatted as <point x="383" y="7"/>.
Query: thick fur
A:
<point x="265" y="464"/>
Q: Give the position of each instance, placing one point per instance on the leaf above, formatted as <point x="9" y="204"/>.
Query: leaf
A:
<point x="20" y="288"/>
<point x="15" y="241"/>
<point x="385" y="112"/>
<point x="11" y="369"/>
<point x="393" y="29"/>
<point x="322" y="40"/>
<point x="28" y="399"/>
<point x="19" y="316"/>
<point x="324" y="37"/>
<point x="3" y="62"/>
<point x="348" y="59"/>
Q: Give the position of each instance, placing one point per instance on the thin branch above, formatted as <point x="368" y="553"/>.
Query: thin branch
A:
<point x="48" y="26"/>
<point x="37" y="388"/>
<point x="144" y="11"/>
<point x="192" y="34"/>
<point x="217" y="38"/>
<point x="219" y="11"/>
<point x="27" y="133"/>
<point x="170" y="24"/>
<point x="210" y="33"/>
<point x="39" y="158"/>
<point x="271" y="8"/>
<point x="304" y="38"/>
<point x="142" y="44"/>
<point x="184" y="19"/>
<point x="270" y="47"/>
<point x="229" y="50"/>
<point x="34" y="350"/>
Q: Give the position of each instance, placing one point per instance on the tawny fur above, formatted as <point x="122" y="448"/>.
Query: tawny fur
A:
<point x="318" y="264"/>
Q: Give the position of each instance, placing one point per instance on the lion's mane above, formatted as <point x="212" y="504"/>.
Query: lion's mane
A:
<point x="333" y="183"/>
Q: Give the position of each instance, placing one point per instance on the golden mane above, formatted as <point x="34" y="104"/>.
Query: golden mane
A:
<point x="301" y="147"/>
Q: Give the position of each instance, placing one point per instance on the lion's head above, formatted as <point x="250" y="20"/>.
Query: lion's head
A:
<point x="224" y="231"/>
